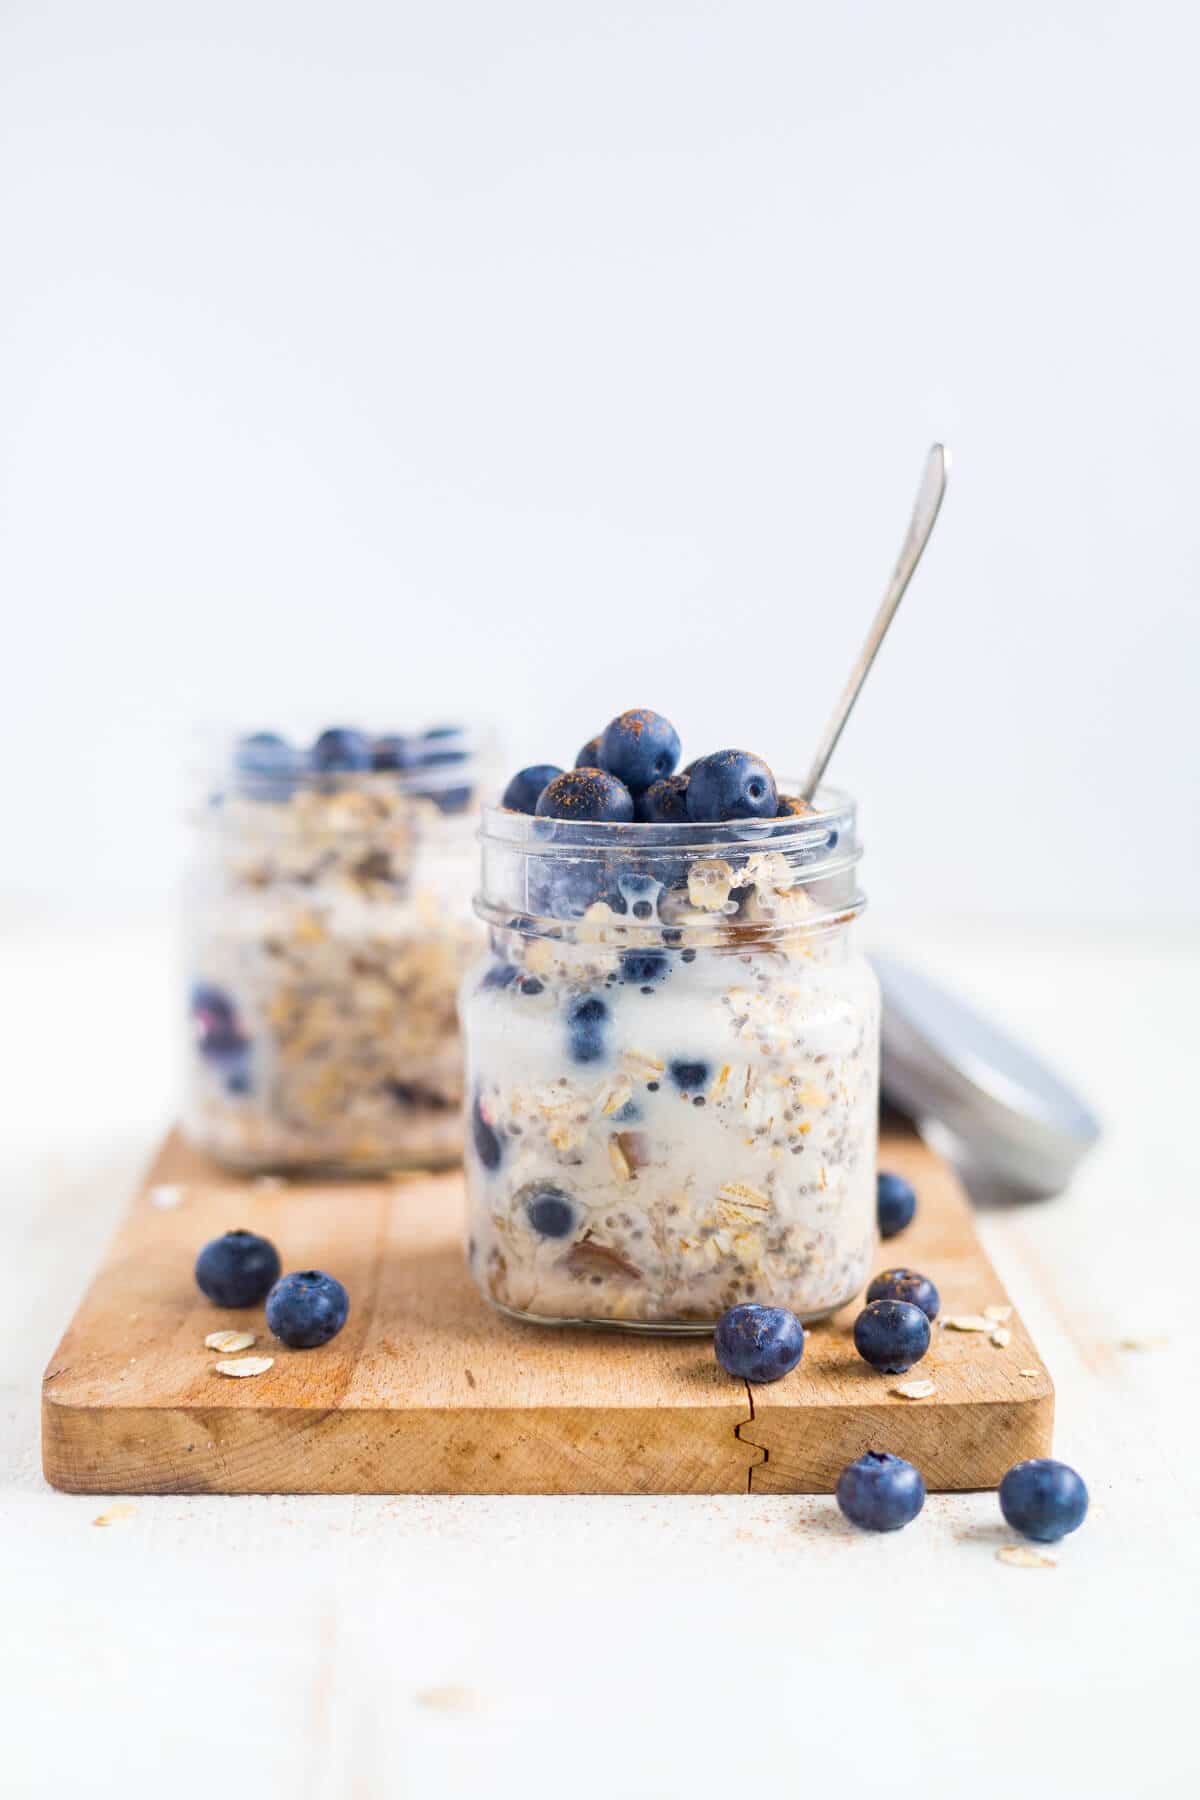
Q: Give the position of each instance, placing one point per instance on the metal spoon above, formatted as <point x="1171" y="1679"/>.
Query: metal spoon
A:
<point x="929" y="499"/>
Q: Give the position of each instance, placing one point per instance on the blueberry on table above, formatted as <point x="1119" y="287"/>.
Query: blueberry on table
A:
<point x="896" y="1202"/>
<point x="341" y="751"/>
<point x="1043" y="1499"/>
<point x="880" y="1492"/>
<point x="267" y="766"/>
<point x="237" y="1269"/>
<point x="550" y="1212"/>
<point x="686" y="1075"/>
<point x="640" y="747"/>
<point x="906" y="1284"/>
<point x="524" y="789"/>
<point x="586" y="796"/>
<point x="488" y="1147"/>
<point x="307" y="1309"/>
<point x="732" y="784"/>
<point x="589" y="756"/>
<point x="587" y="1016"/>
<point x="664" y="802"/>
<point x="891" y="1335"/>
<point x="758" y="1343"/>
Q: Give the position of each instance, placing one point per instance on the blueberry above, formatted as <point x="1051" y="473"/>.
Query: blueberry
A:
<point x="758" y="1343"/>
<point x="488" y="1147"/>
<point x="215" y="1024"/>
<point x="340" y="751"/>
<point x="441" y="745"/>
<point x="550" y="1212"/>
<point x="589" y="756"/>
<point x="560" y="889"/>
<point x="640" y="747"/>
<point x="688" y="1075"/>
<point x="791" y="806"/>
<point x="664" y="802"/>
<point x="267" y="766"/>
<point x="1043" y="1499"/>
<point x="237" y="1269"/>
<point x="891" y="1335"/>
<point x="529" y="985"/>
<point x="880" y="1492"/>
<point x="499" y="976"/>
<point x="642" y="968"/>
<point x="731" y="784"/>
<point x="307" y="1309"/>
<point x="393" y="753"/>
<point x="523" y="790"/>
<point x="452" y="799"/>
<point x="906" y="1284"/>
<point x="586" y="796"/>
<point x="587" y="1015"/>
<point x="896" y="1203"/>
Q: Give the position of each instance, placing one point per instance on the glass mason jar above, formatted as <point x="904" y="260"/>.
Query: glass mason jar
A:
<point x="328" y="923"/>
<point x="672" y="1070"/>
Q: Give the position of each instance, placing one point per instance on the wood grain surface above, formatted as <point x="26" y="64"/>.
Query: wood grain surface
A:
<point x="427" y="1390"/>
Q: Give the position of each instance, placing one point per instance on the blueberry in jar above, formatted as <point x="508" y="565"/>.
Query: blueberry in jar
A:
<point x="306" y="1310"/>
<point x="891" y="1335"/>
<point x="266" y="765"/>
<point x="586" y="796"/>
<point x="442" y="744"/>
<point x="341" y="751"/>
<point x="880" y="1492"/>
<point x="393" y="754"/>
<point x="906" y="1284"/>
<point x="488" y="1147"/>
<point x="1043" y="1499"/>
<point x="589" y="756"/>
<point x="237" y="1269"/>
<point x="643" y="968"/>
<point x="758" y="1343"/>
<point x="896" y="1202"/>
<point x="587" y="1016"/>
<point x="731" y="784"/>
<point x="524" y="790"/>
<point x="550" y="1212"/>
<point x="640" y="747"/>
<point x="215" y="1023"/>
<point x="664" y="802"/>
<point x="688" y="1075"/>
<point x="791" y="806"/>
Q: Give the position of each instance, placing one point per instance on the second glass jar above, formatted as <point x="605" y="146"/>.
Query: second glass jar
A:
<point x="672" y="1070"/>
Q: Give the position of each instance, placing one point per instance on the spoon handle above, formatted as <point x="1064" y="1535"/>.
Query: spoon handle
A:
<point x="929" y="499"/>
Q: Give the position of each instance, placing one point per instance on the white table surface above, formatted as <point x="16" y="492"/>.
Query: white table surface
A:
<point x="300" y="1647"/>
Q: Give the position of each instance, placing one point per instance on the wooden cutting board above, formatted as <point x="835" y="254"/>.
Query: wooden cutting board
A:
<point x="427" y="1390"/>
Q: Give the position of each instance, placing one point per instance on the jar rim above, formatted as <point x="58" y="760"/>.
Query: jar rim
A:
<point x="832" y="816"/>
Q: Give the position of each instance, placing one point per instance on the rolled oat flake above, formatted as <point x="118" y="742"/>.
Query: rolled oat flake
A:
<point x="1009" y="1123"/>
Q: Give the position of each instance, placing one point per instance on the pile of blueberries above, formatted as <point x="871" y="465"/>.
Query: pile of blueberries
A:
<point x="242" y="1269"/>
<point x="626" y="775"/>
<point x="268" y="767"/>
<point x="1041" y="1499"/>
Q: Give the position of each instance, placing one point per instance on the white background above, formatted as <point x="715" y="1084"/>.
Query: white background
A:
<point x="401" y="362"/>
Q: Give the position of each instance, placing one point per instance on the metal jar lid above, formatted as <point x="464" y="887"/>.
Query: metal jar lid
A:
<point x="988" y="1101"/>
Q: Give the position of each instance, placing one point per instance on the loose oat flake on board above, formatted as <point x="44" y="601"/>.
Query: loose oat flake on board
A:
<point x="246" y="1365"/>
<point x="915" y="1390"/>
<point x="166" y="1195"/>
<point x="229" y="1341"/>
<point x="1001" y="1314"/>
<point x="967" y="1322"/>
<point x="1002" y="1337"/>
<point x="1020" y="1556"/>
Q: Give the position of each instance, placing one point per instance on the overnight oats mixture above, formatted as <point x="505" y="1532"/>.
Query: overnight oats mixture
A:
<point x="672" y="1045"/>
<point x="329" y="924"/>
